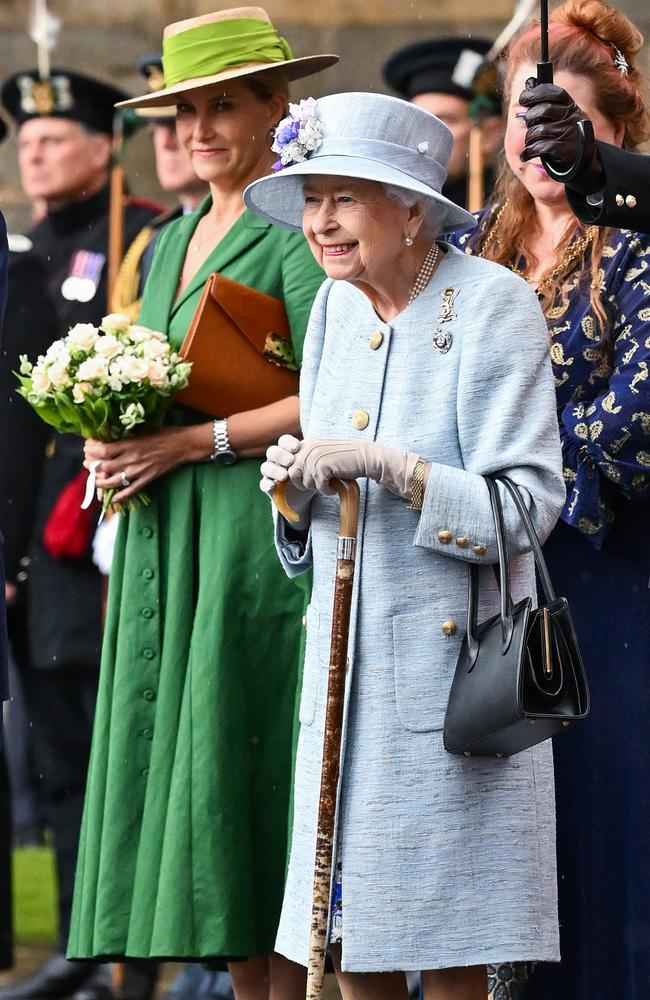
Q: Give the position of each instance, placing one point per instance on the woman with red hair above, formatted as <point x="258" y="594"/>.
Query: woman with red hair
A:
<point x="594" y="288"/>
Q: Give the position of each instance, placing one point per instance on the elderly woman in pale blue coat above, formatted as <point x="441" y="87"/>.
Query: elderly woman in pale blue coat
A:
<point x="422" y="367"/>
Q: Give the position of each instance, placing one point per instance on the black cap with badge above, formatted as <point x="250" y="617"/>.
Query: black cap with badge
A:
<point x="64" y="94"/>
<point x="441" y="66"/>
<point x="151" y="68"/>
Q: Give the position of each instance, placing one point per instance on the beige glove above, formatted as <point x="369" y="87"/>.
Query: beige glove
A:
<point x="279" y="458"/>
<point x="320" y="459"/>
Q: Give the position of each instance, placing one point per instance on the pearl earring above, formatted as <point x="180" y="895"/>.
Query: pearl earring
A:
<point x="408" y="240"/>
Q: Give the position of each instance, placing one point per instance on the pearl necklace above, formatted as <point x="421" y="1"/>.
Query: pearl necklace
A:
<point x="424" y="274"/>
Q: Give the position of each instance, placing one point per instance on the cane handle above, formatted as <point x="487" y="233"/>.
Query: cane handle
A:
<point x="279" y="498"/>
<point x="348" y="491"/>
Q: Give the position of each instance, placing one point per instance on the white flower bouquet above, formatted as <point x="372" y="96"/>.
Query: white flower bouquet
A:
<point x="105" y="382"/>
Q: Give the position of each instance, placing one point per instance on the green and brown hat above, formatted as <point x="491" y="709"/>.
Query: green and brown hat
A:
<point x="224" y="45"/>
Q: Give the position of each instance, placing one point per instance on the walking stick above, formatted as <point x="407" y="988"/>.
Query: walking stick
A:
<point x="348" y="492"/>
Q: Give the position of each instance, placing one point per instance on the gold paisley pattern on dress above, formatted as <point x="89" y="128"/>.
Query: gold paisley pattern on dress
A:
<point x="616" y="445"/>
<point x="608" y="404"/>
<point x="569" y="474"/>
<point x="557" y="355"/>
<point x="556" y="331"/>
<point x="644" y="420"/>
<point x="581" y="430"/>
<point x="560" y="381"/>
<point x="595" y="430"/>
<point x="592" y="354"/>
<point x="643" y="458"/>
<point x="611" y="472"/>
<point x="641" y="376"/>
<point x="590" y="527"/>
<point x="644" y="315"/>
<point x="589" y="328"/>
<point x="627" y="357"/>
<point x="571" y="505"/>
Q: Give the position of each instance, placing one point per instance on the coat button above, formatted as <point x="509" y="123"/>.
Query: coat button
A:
<point x="360" y="420"/>
<point x="479" y="550"/>
<point x="148" y="734"/>
<point x="376" y="340"/>
<point x="445" y="537"/>
<point x="148" y="694"/>
<point x="620" y="200"/>
<point x="148" y="574"/>
<point x="148" y="653"/>
<point x="147" y="612"/>
<point x="630" y="201"/>
<point x="462" y="542"/>
<point x="449" y="627"/>
<point x="147" y="532"/>
<point x="144" y="772"/>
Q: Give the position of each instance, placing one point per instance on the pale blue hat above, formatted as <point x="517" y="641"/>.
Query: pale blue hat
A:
<point x="367" y="136"/>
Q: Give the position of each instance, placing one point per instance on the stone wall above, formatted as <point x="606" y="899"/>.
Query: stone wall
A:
<point x="106" y="38"/>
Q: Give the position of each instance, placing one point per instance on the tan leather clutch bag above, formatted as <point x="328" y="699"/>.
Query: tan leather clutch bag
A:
<point x="239" y="343"/>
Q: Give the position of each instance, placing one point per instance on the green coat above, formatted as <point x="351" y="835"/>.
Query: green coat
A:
<point x="184" y="839"/>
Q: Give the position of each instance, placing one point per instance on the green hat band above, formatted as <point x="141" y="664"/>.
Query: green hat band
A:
<point x="219" y="45"/>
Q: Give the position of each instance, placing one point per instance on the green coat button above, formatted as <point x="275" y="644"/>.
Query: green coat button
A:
<point x="148" y="653"/>
<point x="147" y="612"/>
<point x="144" y="772"/>
<point x="147" y="532"/>
<point x="148" y="574"/>
<point x="148" y="734"/>
<point x="148" y="694"/>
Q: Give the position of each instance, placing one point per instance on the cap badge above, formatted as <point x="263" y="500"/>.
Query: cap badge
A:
<point x="44" y="97"/>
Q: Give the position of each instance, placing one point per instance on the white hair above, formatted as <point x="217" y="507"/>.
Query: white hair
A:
<point x="433" y="213"/>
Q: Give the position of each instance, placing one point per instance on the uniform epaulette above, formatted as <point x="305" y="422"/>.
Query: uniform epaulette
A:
<point x="148" y="203"/>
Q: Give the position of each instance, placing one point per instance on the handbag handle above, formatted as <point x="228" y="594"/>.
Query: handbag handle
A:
<point x="505" y="596"/>
<point x="504" y="567"/>
<point x="522" y="510"/>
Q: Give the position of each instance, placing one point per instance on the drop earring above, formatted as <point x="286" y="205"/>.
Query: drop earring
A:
<point x="408" y="240"/>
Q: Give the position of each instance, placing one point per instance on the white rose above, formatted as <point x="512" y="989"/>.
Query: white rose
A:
<point x="40" y="381"/>
<point x="92" y="369"/>
<point x="157" y="375"/>
<point x="58" y="374"/>
<point x="108" y="346"/>
<point x="115" y="323"/>
<point x="82" y="337"/>
<point x="134" y="369"/>
<point x="80" y="390"/>
<point x="57" y="351"/>
<point x="155" y="349"/>
<point x="292" y="153"/>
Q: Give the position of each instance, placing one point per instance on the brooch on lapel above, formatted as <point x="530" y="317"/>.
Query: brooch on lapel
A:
<point x="442" y="339"/>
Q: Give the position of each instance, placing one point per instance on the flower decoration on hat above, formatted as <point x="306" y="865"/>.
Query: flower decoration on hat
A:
<point x="298" y="135"/>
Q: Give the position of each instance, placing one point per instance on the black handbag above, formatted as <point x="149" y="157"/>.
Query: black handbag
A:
<point x="519" y="678"/>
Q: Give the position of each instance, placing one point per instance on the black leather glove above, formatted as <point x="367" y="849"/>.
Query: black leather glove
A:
<point x="562" y="136"/>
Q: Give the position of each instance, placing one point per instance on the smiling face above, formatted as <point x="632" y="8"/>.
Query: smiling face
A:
<point x="60" y="161"/>
<point x="532" y="174"/>
<point x="355" y="231"/>
<point x="226" y="131"/>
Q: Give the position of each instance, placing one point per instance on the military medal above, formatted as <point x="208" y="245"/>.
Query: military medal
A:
<point x="83" y="277"/>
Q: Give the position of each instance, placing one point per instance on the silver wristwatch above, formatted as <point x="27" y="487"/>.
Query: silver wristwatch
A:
<point x="222" y="451"/>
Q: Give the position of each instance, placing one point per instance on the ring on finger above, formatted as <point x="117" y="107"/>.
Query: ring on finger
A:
<point x="125" y="480"/>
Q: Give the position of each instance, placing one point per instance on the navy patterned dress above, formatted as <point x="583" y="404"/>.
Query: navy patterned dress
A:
<point x="599" y="558"/>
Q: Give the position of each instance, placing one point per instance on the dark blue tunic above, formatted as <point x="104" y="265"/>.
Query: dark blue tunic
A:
<point x="599" y="558"/>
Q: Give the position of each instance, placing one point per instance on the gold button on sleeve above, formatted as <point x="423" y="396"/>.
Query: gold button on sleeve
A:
<point x="445" y="537"/>
<point x="630" y="201"/>
<point x="462" y="542"/>
<point x="376" y="340"/>
<point x="479" y="550"/>
<point x="620" y="200"/>
<point x="449" y="627"/>
<point x="360" y="420"/>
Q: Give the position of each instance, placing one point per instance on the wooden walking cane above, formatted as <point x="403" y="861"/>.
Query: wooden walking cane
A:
<point x="348" y="492"/>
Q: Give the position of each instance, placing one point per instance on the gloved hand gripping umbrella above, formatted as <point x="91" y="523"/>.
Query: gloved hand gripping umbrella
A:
<point x="348" y="492"/>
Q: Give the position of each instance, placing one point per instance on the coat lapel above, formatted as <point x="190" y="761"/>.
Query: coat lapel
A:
<point x="247" y="231"/>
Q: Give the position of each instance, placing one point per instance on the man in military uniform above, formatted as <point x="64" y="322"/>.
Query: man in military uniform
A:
<point x="606" y="186"/>
<point x="175" y="175"/>
<point x="65" y="126"/>
<point x="439" y="75"/>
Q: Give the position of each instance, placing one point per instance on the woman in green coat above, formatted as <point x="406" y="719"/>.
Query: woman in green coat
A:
<point x="183" y="846"/>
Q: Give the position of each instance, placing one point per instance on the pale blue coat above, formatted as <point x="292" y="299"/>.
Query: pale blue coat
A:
<point x="446" y="861"/>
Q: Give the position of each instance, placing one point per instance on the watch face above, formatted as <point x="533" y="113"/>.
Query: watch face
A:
<point x="225" y="457"/>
